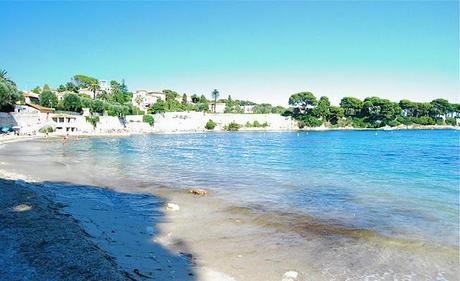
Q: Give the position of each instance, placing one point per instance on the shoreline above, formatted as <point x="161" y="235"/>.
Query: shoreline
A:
<point x="15" y="138"/>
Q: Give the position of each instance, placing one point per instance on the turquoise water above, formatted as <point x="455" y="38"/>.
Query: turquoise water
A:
<point x="402" y="184"/>
<point x="341" y="205"/>
<point x="397" y="183"/>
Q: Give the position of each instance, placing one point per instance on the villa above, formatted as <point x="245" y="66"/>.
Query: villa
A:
<point x="65" y="122"/>
<point x="218" y="107"/>
<point x="144" y="99"/>
<point x="86" y="91"/>
<point x="104" y="85"/>
<point x="32" y="104"/>
<point x="31" y="97"/>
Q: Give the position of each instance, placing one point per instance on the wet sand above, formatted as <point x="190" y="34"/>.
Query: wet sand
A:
<point x="40" y="242"/>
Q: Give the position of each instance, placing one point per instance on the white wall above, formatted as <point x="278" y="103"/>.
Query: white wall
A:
<point x="31" y="122"/>
<point x="195" y="121"/>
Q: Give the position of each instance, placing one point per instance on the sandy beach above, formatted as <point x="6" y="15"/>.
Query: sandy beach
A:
<point x="111" y="239"/>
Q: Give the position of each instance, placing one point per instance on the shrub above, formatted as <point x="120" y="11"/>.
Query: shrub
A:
<point x="359" y="123"/>
<point x="451" y="121"/>
<point x="344" y="122"/>
<point x="46" y="129"/>
<point x="148" y="119"/>
<point x="233" y="126"/>
<point x="309" y="121"/>
<point x="394" y="123"/>
<point x="404" y="120"/>
<point x="424" y="120"/>
<point x="256" y="124"/>
<point x="440" y="121"/>
<point x="210" y="125"/>
<point x="93" y="120"/>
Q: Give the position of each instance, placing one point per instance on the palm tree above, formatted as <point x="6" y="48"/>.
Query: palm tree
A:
<point x="139" y="99"/>
<point x="3" y="73"/>
<point x="3" y="76"/>
<point x="215" y="96"/>
<point x="94" y="87"/>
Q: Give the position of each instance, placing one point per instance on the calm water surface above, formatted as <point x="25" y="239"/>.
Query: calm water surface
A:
<point x="400" y="185"/>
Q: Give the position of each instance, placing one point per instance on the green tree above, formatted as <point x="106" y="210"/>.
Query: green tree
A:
<point x="94" y="87"/>
<point x="303" y="100"/>
<point x="84" y="81"/>
<point x="380" y="111"/>
<point x="322" y="109"/>
<point x="409" y="107"/>
<point x="46" y="88"/>
<point x="71" y="87"/>
<point x="61" y="88"/>
<point x="37" y="90"/>
<point x="278" y="109"/>
<point x="97" y="106"/>
<point x="203" y="99"/>
<point x="263" y="108"/>
<point x="48" y="99"/>
<point x="195" y="98"/>
<point x="352" y="106"/>
<point x="9" y="93"/>
<point x="3" y="74"/>
<point x="215" y="96"/>
<point x="439" y="107"/>
<point x="423" y="109"/>
<point x="203" y="106"/>
<point x="104" y="96"/>
<point x="335" y="114"/>
<point x="72" y="102"/>
<point x="123" y="86"/>
<point x="139" y="99"/>
<point x="158" y="107"/>
<point x="184" y="99"/>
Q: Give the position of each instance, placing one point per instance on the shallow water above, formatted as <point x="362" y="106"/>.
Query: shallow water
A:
<point x="356" y="192"/>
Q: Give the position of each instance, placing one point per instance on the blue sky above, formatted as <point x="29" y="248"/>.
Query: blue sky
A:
<point x="263" y="51"/>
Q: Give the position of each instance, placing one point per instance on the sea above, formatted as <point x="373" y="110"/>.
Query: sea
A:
<point x="349" y="205"/>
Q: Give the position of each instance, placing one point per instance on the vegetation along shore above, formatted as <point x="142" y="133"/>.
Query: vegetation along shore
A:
<point x="86" y="105"/>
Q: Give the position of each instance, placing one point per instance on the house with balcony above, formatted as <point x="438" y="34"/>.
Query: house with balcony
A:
<point x="144" y="99"/>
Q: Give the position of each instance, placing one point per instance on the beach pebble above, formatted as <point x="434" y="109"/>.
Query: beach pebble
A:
<point x="198" y="191"/>
<point x="290" y="276"/>
<point x="172" y="207"/>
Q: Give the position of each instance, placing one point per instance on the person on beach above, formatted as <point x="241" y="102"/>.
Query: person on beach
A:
<point x="65" y="139"/>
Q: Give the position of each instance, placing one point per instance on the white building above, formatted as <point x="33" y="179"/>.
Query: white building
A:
<point x="248" y="108"/>
<point x="218" y="107"/>
<point x="104" y="85"/>
<point x="31" y="97"/>
<point x="65" y="123"/>
<point x="86" y="91"/>
<point x="144" y="99"/>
